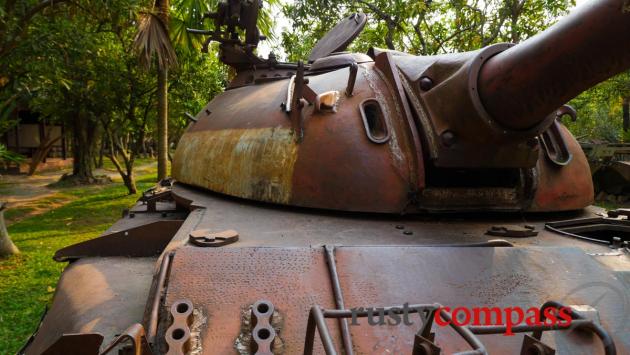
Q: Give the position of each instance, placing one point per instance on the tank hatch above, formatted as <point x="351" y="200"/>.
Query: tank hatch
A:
<point x="337" y="39"/>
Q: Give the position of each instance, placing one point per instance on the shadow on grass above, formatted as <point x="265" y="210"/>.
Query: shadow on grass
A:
<point x="27" y="280"/>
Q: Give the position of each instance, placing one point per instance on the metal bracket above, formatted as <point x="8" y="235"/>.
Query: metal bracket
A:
<point x="205" y="238"/>
<point x="298" y="94"/>
<point x="585" y="228"/>
<point x="142" y="241"/>
<point x="178" y="334"/>
<point x="190" y="117"/>
<point x="263" y="333"/>
<point x="513" y="231"/>
<point x="553" y="142"/>
<point x="425" y="346"/>
<point x="152" y="196"/>
<point x="139" y="343"/>
<point x="424" y="341"/>
<point x="619" y="212"/>
<point x="352" y="78"/>
<point x="88" y="343"/>
<point x="533" y="346"/>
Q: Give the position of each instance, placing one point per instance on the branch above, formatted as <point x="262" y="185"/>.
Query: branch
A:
<point x="423" y="43"/>
<point x="455" y="34"/>
<point x="391" y="21"/>
<point x="112" y="154"/>
<point x="24" y="21"/>
<point x="497" y="29"/>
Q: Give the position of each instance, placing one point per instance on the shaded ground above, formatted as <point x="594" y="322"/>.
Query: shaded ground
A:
<point x="31" y="195"/>
<point x="65" y="216"/>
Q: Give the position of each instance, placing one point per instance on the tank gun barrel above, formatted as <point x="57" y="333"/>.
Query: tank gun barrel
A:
<point x="522" y="85"/>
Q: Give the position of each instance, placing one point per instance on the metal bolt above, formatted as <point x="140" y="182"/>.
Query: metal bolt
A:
<point x="408" y="232"/>
<point x="616" y="242"/>
<point x="400" y="226"/>
<point x="532" y="142"/>
<point x="426" y="83"/>
<point x="448" y="138"/>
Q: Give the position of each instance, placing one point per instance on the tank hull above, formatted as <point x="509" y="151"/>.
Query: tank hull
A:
<point x="281" y="256"/>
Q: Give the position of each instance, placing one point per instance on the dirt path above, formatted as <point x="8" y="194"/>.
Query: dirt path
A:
<point x="27" y="192"/>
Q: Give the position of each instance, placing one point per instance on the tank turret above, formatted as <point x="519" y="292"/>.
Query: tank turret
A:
<point x="397" y="133"/>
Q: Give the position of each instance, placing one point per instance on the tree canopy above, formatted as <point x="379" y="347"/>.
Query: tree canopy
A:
<point x="430" y="27"/>
<point x="422" y="27"/>
<point x="76" y="64"/>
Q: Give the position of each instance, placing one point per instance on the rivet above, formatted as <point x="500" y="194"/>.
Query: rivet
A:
<point x="426" y="83"/>
<point x="448" y="138"/>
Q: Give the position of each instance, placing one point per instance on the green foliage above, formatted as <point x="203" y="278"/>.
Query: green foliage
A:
<point x="600" y="111"/>
<point x="78" y="60"/>
<point x="442" y="26"/>
<point x="422" y="27"/>
<point x="197" y="79"/>
<point x="188" y="14"/>
<point x="7" y="156"/>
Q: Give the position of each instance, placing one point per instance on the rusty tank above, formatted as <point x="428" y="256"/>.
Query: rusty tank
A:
<point x="314" y="204"/>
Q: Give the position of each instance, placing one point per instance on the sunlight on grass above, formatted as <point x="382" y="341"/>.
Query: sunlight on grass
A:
<point x="27" y="280"/>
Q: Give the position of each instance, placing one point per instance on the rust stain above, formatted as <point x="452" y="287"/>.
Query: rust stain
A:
<point x="249" y="163"/>
<point x="565" y="189"/>
<point x="373" y="77"/>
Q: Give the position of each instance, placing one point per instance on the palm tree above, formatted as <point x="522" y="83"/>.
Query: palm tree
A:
<point x="153" y="39"/>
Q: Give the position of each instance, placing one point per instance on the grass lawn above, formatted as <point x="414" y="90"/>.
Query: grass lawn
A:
<point x="27" y="280"/>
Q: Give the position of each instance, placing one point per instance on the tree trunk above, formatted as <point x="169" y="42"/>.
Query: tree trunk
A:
<point x="84" y="131"/>
<point x="127" y="175"/>
<point x="130" y="183"/>
<point x="117" y="147"/>
<point x="101" y="153"/>
<point x="7" y="247"/>
<point x="42" y="152"/>
<point x="626" y="114"/>
<point x="162" y="129"/>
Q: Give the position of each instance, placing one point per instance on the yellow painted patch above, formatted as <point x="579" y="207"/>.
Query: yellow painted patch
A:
<point x="250" y="163"/>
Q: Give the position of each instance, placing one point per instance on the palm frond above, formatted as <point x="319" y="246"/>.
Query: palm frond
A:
<point x="153" y="39"/>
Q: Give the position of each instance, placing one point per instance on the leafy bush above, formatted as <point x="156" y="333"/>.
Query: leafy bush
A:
<point x="7" y="156"/>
